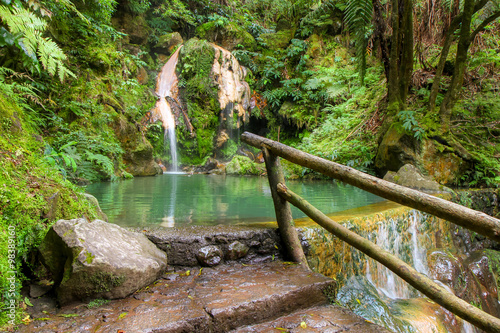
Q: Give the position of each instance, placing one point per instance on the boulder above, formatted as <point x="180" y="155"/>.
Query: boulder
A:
<point x="94" y="202"/>
<point x="242" y="165"/>
<point x="445" y="161"/>
<point x="409" y="176"/>
<point x="167" y="43"/>
<point x="396" y="149"/>
<point x="99" y="260"/>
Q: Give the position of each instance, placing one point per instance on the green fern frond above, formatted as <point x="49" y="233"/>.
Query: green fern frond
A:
<point x="358" y="15"/>
<point x="29" y="27"/>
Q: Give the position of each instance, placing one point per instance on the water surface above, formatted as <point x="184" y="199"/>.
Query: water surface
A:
<point x="175" y="200"/>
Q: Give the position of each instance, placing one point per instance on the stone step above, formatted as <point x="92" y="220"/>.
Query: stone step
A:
<point x="320" y="319"/>
<point x="216" y="299"/>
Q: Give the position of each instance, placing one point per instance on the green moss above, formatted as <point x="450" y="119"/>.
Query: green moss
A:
<point x="229" y="36"/>
<point x="103" y="282"/>
<point x="242" y="165"/>
<point x="277" y="40"/>
<point x="27" y="182"/>
<point x="89" y="257"/>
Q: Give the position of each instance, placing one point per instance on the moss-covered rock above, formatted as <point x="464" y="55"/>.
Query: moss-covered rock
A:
<point x="135" y="26"/>
<point x="138" y="152"/>
<point x="168" y="42"/>
<point x="198" y="91"/>
<point x="278" y="40"/>
<point x="99" y="260"/>
<point x="230" y="36"/>
<point x="438" y="160"/>
<point x="242" y="165"/>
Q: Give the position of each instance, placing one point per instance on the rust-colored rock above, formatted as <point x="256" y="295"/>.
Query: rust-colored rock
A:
<point x="199" y="300"/>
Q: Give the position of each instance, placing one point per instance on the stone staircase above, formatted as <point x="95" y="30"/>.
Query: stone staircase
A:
<point x="267" y="297"/>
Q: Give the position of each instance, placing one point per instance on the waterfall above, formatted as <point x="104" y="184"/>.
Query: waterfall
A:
<point x="166" y="86"/>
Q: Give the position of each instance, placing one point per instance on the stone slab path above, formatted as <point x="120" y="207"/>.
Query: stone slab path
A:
<point x="267" y="297"/>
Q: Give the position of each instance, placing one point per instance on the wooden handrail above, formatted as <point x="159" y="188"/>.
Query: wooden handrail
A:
<point x="468" y="218"/>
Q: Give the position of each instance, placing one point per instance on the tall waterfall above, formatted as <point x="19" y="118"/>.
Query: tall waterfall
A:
<point x="166" y="86"/>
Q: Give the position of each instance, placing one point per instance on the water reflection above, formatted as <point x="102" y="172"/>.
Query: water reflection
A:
<point x="182" y="199"/>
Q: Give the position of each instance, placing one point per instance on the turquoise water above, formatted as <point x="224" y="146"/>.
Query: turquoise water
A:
<point x="176" y="200"/>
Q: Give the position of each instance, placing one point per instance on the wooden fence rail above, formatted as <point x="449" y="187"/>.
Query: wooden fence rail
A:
<point x="463" y="216"/>
<point x="471" y="219"/>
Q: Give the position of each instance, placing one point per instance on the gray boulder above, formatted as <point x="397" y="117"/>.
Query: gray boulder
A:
<point x="409" y="176"/>
<point x="99" y="260"/>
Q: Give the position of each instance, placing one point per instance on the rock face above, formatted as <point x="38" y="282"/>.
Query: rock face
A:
<point x="99" y="260"/>
<point x="470" y="277"/>
<point x="409" y="176"/>
<point x="138" y="156"/>
<point x="446" y="164"/>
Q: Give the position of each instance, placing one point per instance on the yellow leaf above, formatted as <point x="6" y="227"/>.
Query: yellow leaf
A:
<point x="190" y="297"/>
<point x="358" y="301"/>
<point x="276" y="246"/>
<point x="188" y="273"/>
<point x="27" y="319"/>
<point x="201" y="270"/>
<point x="281" y="329"/>
<point x="303" y="324"/>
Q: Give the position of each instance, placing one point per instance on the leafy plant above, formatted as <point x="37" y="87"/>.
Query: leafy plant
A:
<point x="358" y="15"/>
<point x="25" y="32"/>
<point x="56" y="158"/>
<point x="410" y="123"/>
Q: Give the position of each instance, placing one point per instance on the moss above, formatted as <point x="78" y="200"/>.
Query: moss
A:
<point x="277" y="40"/>
<point x="103" y="282"/>
<point x="89" y="257"/>
<point x="242" y="165"/>
<point x="27" y="182"/>
<point x="229" y="36"/>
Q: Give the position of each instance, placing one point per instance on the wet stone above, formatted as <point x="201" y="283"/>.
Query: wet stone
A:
<point x="209" y="256"/>
<point x="237" y="250"/>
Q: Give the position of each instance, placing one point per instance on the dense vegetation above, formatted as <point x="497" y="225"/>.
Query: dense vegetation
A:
<point x="339" y="79"/>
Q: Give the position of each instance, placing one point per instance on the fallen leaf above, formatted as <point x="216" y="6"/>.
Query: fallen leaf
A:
<point x="27" y="301"/>
<point x="69" y="315"/>
<point x="27" y="319"/>
<point x="190" y="297"/>
<point x="303" y="324"/>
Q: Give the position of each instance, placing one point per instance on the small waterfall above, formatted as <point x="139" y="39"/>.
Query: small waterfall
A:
<point x="166" y="86"/>
<point x="389" y="238"/>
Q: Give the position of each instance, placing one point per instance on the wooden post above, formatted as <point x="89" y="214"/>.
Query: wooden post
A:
<point x="476" y="221"/>
<point x="421" y="282"/>
<point x="283" y="212"/>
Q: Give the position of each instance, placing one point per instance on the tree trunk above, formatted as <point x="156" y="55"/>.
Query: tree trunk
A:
<point x="401" y="54"/>
<point x="442" y="60"/>
<point x="394" y="97"/>
<point x="406" y="42"/>
<point x="460" y="65"/>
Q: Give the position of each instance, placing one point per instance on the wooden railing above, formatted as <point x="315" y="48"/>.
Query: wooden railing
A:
<point x="476" y="221"/>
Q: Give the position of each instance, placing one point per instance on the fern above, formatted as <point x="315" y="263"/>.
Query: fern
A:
<point x="358" y="14"/>
<point x="26" y="31"/>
